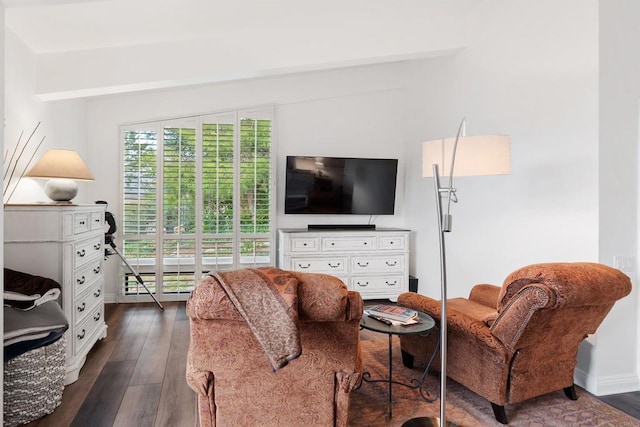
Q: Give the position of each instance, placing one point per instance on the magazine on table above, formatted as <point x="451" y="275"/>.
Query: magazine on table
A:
<point x="394" y="314"/>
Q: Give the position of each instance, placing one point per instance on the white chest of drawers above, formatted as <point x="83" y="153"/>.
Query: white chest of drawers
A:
<point x="372" y="262"/>
<point x="64" y="243"/>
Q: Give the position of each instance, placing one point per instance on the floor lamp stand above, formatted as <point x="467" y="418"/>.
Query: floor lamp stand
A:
<point x="444" y="226"/>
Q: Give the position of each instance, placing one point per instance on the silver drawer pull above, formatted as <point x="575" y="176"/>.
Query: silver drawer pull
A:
<point x="82" y="307"/>
<point x="96" y="270"/>
<point x="97" y="293"/>
<point x="394" y="283"/>
<point x="304" y="244"/>
<point x="81" y="334"/>
<point x="364" y="264"/>
<point x="304" y="267"/>
<point x="365" y="284"/>
<point x="97" y="220"/>
<point x="82" y="222"/>
<point x="391" y="264"/>
<point x="97" y="246"/>
<point x="333" y="266"/>
<point x="81" y="280"/>
<point x="81" y="253"/>
<point x="97" y="316"/>
<point x="365" y="243"/>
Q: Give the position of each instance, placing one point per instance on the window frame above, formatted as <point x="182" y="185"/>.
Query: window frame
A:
<point x="157" y="266"/>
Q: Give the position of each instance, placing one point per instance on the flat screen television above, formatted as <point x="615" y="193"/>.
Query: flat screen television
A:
<point x="340" y="185"/>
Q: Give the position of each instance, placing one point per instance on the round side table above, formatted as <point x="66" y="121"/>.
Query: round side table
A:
<point x="425" y="326"/>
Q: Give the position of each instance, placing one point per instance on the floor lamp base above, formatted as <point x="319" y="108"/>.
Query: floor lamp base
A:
<point x="426" y="422"/>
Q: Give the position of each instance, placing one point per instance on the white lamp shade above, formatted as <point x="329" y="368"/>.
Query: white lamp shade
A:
<point x="475" y="155"/>
<point x="61" y="164"/>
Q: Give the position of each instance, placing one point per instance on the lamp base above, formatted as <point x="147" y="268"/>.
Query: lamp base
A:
<point x="426" y="422"/>
<point x="61" y="189"/>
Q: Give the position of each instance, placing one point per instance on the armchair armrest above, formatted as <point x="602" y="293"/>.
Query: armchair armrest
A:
<point x="512" y="321"/>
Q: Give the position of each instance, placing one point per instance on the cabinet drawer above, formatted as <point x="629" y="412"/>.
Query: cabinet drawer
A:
<point x="348" y="243"/>
<point x="392" y="242"/>
<point x="85" y="276"/>
<point x="334" y="266"/>
<point x="376" y="283"/>
<point x="86" y="303"/>
<point x="97" y="221"/>
<point x="86" y="250"/>
<point x="386" y="264"/>
<point x="84" y="332"/>
<point x="305" y="244"/>
<point x="81" y="222"/>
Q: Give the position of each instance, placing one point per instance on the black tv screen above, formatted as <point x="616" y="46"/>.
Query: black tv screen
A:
<point x="340" y="185"/>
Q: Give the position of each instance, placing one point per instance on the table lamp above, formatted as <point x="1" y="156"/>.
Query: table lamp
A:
<point x="62" y="168"/>
<point x="472" y="156"/>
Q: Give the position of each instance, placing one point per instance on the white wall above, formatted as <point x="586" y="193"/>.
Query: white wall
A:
<point x="63" y="124"/>
<point x="618" y="345"/>
<point x="539" y="87"/>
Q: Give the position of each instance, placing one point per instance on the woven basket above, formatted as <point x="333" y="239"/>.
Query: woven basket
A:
<point x="33" y="383"/>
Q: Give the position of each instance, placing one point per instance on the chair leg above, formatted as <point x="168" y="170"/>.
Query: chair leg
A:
<point x="499" y="413"/>
<point x="570" y="392"/>
<point x="407" y="359"/>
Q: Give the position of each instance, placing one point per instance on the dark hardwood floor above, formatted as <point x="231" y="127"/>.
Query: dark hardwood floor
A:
<point x="136" y="376"/>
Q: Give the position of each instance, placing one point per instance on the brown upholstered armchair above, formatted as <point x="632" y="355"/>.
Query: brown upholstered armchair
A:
<point x="235" y="384"/>
<point x="520" y="341"/>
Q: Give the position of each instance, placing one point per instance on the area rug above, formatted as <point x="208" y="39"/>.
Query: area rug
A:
<point x="369" y="403"/>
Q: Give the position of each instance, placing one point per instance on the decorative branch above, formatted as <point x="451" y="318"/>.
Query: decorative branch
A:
<point x="14" y="161"/>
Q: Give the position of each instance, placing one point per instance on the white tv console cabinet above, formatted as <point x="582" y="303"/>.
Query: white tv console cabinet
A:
<point x="64" y="243"/>
<point x="372" y="262"/>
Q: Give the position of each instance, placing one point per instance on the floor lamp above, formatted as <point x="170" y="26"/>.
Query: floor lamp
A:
<point x="472" y="156"/>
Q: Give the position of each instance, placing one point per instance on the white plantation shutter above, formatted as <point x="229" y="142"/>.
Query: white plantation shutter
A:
<point x="197" y="198"/>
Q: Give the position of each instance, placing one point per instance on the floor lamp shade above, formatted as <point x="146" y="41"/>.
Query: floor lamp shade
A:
<point x="475" y="155"/>
<point x="62" y="168"/>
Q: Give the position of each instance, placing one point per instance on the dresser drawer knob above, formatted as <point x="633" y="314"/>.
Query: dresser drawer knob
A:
<point x="391" y="264"/>
<point x="97" y="220"/>
<point x="81" y="253"/>
<point x="363" y="264"/>
<point x="96" y="270"/>
<point x="97" y="293"/>
<point x="81" y="334"/>
<point x="81" y="280"/>
<point x="97" y="246"/>
<point x="96" y="317"/>
<point x="394" y="283"/>
<point x="82" y="307"/>
<point x="82" y="222"/>
<point x="333" y="266"/>
<point x="362" y="284"/>
<point x="365" y="243"/>
<point x="304" y="267"/>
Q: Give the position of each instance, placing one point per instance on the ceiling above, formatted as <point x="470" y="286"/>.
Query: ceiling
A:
<point x="252" y="36"/>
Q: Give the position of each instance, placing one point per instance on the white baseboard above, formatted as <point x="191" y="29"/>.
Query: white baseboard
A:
<point x="602" y="386"/>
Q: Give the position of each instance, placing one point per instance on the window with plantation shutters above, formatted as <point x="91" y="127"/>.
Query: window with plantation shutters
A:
<point x="197" y="198"/>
